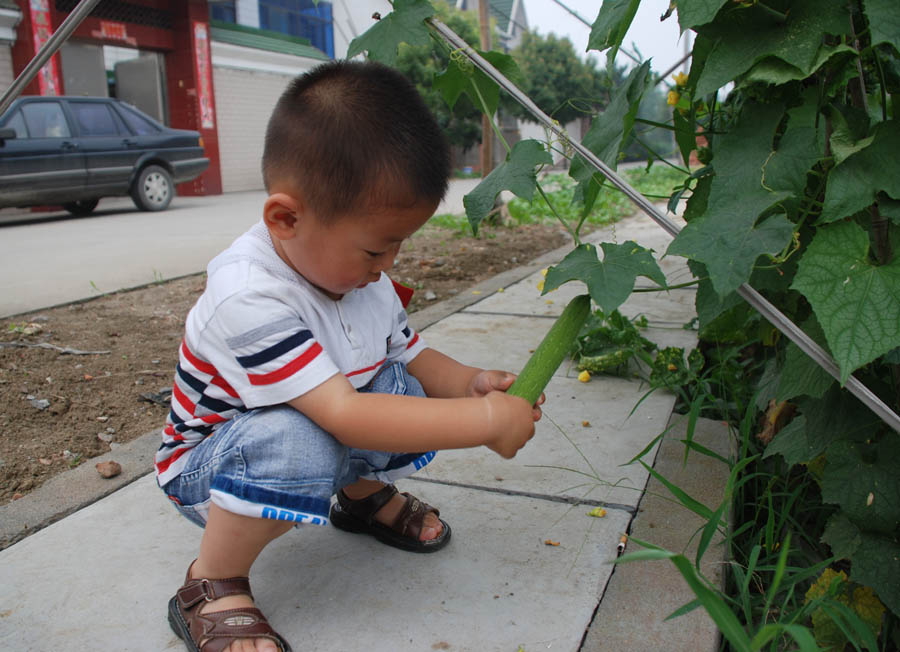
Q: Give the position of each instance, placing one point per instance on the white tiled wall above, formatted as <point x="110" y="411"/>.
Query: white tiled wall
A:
<point x="6" y="68"/>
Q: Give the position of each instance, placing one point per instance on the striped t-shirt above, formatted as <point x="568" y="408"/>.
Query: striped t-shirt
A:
<point x="260" y="334"/>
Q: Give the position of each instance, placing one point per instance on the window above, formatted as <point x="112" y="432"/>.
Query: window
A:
<point x="138" y="123"/>
<point x="224" y="11"/>
<point x="45" y="120"/>
<point x="17" y="123"/>
<point x="303" y="18"/>
<point x="94" y="119"/>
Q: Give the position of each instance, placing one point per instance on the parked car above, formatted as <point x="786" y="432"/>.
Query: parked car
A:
<point x="71" y="151"/>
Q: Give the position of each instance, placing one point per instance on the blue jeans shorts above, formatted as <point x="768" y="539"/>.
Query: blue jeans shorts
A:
<point x="274" y="462"/>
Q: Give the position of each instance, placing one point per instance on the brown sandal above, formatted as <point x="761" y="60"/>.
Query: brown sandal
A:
<point x="359" y="516"/>
<point x="217" y="629"/>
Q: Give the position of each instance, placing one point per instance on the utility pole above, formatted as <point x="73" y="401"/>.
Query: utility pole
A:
<point x="487" y="133"/>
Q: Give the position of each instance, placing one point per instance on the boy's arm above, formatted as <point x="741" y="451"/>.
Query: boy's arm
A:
<point x="442" y="376"/>
<point x="404" y="424"/>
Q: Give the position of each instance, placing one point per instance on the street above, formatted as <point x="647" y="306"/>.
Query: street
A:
<point x="57" y="258"/>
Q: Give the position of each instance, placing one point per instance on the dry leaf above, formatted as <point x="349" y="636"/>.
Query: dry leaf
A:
<point x="548" y="542"/>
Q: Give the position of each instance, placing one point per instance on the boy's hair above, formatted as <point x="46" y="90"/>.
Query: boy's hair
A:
<point x="351" y="134"/>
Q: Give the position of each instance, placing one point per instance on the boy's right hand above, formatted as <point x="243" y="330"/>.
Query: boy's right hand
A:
<point x="511" y="423"/>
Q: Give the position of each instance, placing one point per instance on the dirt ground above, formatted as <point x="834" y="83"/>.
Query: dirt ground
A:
<point x="78" y="380"/>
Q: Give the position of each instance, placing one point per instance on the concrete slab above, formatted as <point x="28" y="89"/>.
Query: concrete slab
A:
<point x="626" y="619"/>
<point x="107" y="572"/>
<point x="567" y="459"/>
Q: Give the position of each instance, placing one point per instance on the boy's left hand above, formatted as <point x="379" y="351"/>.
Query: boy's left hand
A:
<point x="489" y="380"/>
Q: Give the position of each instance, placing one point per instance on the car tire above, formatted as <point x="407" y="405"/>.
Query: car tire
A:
<point x="81" y="207"/>
<point x="153" y="189"/>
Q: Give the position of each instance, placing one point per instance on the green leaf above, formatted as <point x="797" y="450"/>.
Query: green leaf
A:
<point x="607" y="133"/>
<point x="692" y="13"/>
<point x="801" y="146"/>
<point x="792" y="443"/>
<point x="844" y="140"/>
<point x="876" y="563"/>
<point x="862" y="478"/>
<point x="884" y="22"/>
<point x="726" y="237"/>
<point x="745" y="36"/>
<point x="801" y="375"/>
<point x="611" y="25"/>
<point x="685" y="135"/>
<point x="854" y="183"/>
<point x="405" y="24"/>
<point x="709" y="304"/>
<point x="611" y="280"/>
<point x="856" y="302"/>
<point x="841" y="535"/>
<point x="516" y="174"/>
<point x="456" y="80"/>
<point x="772" y="70"/>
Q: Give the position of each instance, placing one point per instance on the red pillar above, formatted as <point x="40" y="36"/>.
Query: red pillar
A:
<point x="190" y="89"/>
<point x="32" y="32"/>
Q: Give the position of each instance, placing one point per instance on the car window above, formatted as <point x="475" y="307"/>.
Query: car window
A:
<point x="138" y="123"/>
<point x="45" y="120"/>
<point x="17" y="122"/>
<point x="94" y="119"/>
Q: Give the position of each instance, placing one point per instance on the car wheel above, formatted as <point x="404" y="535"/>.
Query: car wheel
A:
<point x="82" y="207"/>
<point x="152" y="189"/>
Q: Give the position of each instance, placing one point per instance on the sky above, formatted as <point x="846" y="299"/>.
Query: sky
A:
<point x="652" y="38"/>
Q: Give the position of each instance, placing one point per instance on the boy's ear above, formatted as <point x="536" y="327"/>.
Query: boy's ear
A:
<point x="280" y="213"/>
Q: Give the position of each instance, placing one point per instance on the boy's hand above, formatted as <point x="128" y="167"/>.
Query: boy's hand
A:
<point x="491" y="380"/>
<point x="510" y="422"/>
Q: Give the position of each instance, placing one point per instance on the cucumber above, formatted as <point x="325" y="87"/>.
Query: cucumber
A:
<point x="552" y="350"/>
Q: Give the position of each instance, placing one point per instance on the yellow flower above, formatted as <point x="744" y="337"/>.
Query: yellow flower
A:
<point x="544" y="272"/>
<point x="584" y="376"/>
<point x="672" y="98"/>
<point x="680" y="79"/>
<point x="540" y="285"/>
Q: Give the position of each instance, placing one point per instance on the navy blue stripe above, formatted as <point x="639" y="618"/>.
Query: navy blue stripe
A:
<point x="216" y="405"/>
<point x="191" y="381"/>
<point x="268" y="496"/>
<point x="406" y="332"/>
<point x="275" y="351"/>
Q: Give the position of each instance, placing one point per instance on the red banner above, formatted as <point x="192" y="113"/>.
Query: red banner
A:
<point x="203" y="70"/>
<point x="41" y="30"/>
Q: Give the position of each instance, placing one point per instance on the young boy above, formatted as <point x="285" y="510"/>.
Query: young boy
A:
<point x="298" y="376"/>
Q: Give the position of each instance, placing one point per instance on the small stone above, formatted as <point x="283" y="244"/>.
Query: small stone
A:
<point x="39" y="403"/>
<point x="17" y="495"/>
<point x="154" y="362"/>
<point x="105" y="436"/>
<point x="103" y="418"/>
<point x="430" y="296"/>
<point x="68" y="455"/>
<point x="32" y="329"/>
<point x="514" y="259"/>
<point x="45" y="461"/>
<point x="108" y="469"/>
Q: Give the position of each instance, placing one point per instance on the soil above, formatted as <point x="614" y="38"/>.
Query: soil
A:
<point x="78" y="380"/>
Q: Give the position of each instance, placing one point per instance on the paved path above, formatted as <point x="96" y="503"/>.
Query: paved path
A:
<point x="105" y="572"/>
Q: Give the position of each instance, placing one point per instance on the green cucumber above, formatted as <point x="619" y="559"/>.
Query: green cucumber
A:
<point x="552" y="350"/>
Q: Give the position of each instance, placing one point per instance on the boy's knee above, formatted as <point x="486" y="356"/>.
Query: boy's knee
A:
<point x="283" y="442"/>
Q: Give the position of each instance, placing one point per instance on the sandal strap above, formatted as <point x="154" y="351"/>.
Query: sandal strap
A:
<point x="412" y="516"/>
<point x="365" y="508"/>
<point x="221" y="628"/>
<point x="196" y="590"/>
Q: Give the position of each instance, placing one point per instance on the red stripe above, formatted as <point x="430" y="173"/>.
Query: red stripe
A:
<point x="220" y="382"/>
<point x="161" y="467"/>
<point x="413" y="341"/>
<point x="362" y="371"/>
<point x="213" y="418"/>
<point x="197" y="363"/>
<point x="183" y="400"/>
<point x="287" y="370"/>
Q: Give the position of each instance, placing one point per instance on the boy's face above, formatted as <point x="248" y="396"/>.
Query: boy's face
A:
<point x="353" y="250"/>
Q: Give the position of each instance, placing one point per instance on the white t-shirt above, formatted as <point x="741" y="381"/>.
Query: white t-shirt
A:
<point x="260" y="334"/>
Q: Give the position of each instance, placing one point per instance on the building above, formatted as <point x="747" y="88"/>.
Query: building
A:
<point x="216" y="66"/>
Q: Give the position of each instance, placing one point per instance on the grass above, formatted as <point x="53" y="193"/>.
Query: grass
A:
<point x="610" y="206"/>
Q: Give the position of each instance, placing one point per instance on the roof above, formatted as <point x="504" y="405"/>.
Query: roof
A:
<point x="263" y="39"/>
<point x="502" y="11"/>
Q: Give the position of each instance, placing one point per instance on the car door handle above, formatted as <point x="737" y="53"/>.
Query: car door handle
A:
<point x="68" y="145"/>
<point x="128" y="142"/>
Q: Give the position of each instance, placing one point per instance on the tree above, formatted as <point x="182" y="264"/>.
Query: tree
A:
<point x="462" y="124"/>
<point x="563" y="86"/>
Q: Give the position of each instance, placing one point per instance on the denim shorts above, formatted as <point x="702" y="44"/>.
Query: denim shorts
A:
<point x="274" y="462"/>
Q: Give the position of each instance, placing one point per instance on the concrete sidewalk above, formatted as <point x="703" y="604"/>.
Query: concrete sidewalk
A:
<point x="102" y="576"/>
